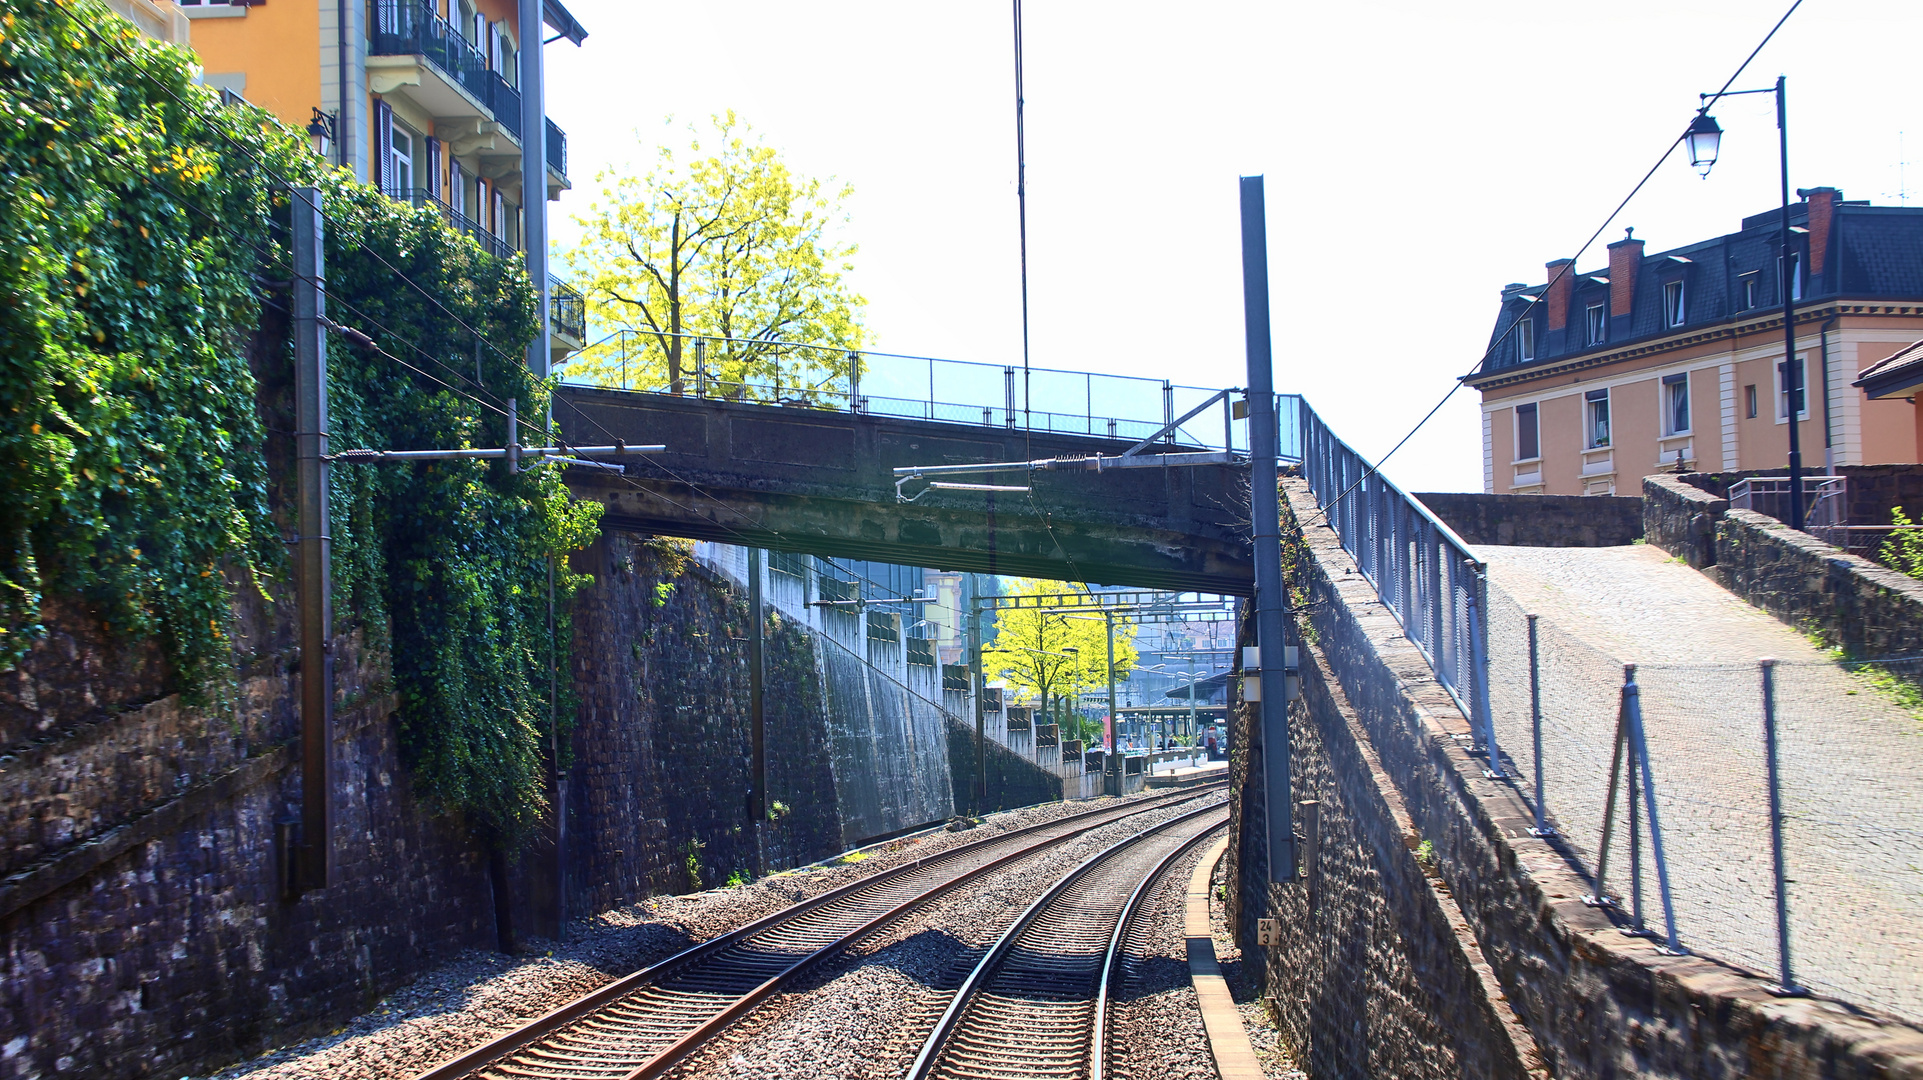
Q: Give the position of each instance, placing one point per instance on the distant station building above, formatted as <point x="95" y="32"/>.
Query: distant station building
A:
<point x="1676" y="358"/>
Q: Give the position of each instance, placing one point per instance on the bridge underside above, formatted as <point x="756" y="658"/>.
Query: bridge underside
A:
<point x="821" y="482"/>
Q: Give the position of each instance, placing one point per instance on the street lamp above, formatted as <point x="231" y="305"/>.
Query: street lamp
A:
<point x="1705" y="139"/>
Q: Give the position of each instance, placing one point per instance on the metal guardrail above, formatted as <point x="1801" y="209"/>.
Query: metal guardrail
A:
<point x="557" y="149"/>
<point x="924" y="388"/>
<point x="1424" y="573"/>
<point x="415" y="28"/>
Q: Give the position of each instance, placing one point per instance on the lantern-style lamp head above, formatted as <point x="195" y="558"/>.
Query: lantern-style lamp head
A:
<point x="1705" y="138"/>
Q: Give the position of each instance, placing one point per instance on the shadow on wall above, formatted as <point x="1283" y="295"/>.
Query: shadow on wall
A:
<point x="1539" y="520"/>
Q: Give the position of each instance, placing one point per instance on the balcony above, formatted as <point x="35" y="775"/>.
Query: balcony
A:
<point x="457" y="221"/>
<point x="414" y="52"/>
<point x="567" y="314"/>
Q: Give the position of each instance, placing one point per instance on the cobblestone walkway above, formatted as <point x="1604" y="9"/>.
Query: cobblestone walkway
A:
<point x="1851" y="762"/>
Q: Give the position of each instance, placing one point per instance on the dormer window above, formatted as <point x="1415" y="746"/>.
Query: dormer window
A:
<point x="1795" y="275"/>
<point x="1750" y="295"/>
<point x="1674" y="311"/>
<point x="1525" y="340"/>
<point x="1596" y="322"/>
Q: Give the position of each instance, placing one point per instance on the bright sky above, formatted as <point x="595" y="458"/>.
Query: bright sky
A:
<point x="1418" y="157"/>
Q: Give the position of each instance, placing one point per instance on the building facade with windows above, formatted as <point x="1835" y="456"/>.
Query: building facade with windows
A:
<point x="1594" y="380"/>
<point x="421" y="98"/>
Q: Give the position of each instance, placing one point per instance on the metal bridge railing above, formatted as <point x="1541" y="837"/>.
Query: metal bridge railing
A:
<point x="1423" y="572"/>
<point x="923" y="388"/>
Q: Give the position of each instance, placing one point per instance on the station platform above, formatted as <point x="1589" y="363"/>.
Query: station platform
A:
<point x="1188" y="776"/>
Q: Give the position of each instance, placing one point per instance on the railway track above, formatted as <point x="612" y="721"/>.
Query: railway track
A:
<point x="1036" y="1005"/>
<point x="641" y="1025"/>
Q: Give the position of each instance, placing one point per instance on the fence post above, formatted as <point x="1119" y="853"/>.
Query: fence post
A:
<point x="854" y="381"/>
<point x="1632" y="697"/>
<point x="1479" y="672"/>
<point x="1786" y="984"/>
<point x="1008" y="385"/>
<point x="1535" y="726"/>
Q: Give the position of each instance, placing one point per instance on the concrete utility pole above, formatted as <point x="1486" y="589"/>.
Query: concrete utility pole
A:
<point x="1111" y="773"/>
<point x="534" y="177"/>
<point x="1271" y="612"/>
<point x="314" y="598"/>
<point x="981" y="721"/>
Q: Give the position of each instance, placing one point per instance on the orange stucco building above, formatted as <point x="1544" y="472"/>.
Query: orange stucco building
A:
<point x="1674" y="358"/>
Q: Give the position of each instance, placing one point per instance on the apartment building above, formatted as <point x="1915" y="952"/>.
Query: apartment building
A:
<point x="421" y="98"/>
<point x="1596" y="379"/>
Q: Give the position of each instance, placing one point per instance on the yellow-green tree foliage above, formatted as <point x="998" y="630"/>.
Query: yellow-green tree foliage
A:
<point x="1050" y="652"/>
<point x="729" y="244"/>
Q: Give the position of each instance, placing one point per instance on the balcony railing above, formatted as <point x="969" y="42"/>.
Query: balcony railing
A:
<point x="412" y="28"/>
<point x="456" y="220"/>
<point x="557" y="149"/>
<point x="567" y="311"/>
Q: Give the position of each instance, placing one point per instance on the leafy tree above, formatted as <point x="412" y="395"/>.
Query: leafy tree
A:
<point x="1052" y="653"/>
<point x="732" y="247"/>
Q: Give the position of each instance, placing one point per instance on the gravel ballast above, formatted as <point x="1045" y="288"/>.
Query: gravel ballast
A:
<point x="479" y="994"/>
<point x="867" y="1014"/>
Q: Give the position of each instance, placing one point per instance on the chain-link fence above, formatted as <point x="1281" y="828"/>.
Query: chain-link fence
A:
<point x="1833" y="902"/>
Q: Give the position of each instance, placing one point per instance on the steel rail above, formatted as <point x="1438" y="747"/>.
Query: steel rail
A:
<point x="1098" y="1048"/>
<point x="950" y="1032"/>
<point x="502" y="1049"/>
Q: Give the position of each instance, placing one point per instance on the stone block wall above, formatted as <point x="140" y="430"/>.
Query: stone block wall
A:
<point x="657" y="794"/>
<point x="1596" y="1003"/>
<point x="1539" y="520"/>
<point x="1871" y="611"/>
<point x="1873" y="489"/>
<point x="142" y="929"/>
<point x="1013" y="780"/>
<point x="1680" y="518"/>
<point x="1376" y="972"/>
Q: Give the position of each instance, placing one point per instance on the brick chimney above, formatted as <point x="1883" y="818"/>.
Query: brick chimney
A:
<point x="1559" y="292"/>
<point x="1822" y="212"/>
<point x="1625" y="258"/>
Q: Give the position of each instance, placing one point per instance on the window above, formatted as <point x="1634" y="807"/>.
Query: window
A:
<point x="1749" y="401"/>
<point x="1528" y="440"/>
<point x="400" y="156"/>
<point x="1795" y="275"/>
<point x="1673" y="310"/>
<point x="1596" y="408"/>
<point x="1676" y="404"/>
<point x="1525" y="340"/>
<point x="1802" y="390"/>
<point x="1597" y="323"/>
<point x="1749" y="290"/>
<point x="456" y="188"/>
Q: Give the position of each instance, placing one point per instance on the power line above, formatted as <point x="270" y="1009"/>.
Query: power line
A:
<point x="1567" y="268"/>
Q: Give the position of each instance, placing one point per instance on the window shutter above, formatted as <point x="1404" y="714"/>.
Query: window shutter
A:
<point x="383" y="144"/>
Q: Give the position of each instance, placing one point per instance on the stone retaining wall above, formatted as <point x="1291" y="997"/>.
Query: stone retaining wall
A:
<point x="1680" y="518"/>
<point x="1597" y="1003"/>
<point x="1539" y="520"/>
<point x="1871" y="611"/>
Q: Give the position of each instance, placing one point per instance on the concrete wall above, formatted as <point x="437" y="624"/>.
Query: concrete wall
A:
<point x="1013" y="780"/>
<point x="1539" y="520"/>
<point x="1596" y="1003"/>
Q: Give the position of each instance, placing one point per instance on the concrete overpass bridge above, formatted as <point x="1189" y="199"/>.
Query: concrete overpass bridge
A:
<point x="821" y="481"/>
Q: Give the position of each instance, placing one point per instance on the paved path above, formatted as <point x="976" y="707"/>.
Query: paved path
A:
<point x="1852" y="762"/>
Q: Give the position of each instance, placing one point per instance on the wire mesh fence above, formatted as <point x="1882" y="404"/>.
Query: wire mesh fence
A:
<point x="1847" y="920"/>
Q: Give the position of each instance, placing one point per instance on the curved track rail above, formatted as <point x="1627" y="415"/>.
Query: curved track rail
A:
<point x="1037" y="1003"/>
<point x="641" y="1025"/>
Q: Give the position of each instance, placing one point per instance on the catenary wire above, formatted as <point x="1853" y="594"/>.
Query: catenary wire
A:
<point x="1567" y="268"/>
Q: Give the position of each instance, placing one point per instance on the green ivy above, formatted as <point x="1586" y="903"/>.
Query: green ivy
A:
<point x="134" y="230"/>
